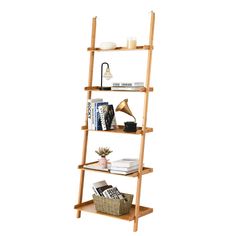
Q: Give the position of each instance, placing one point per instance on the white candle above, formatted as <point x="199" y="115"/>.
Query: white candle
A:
<point x="131" y="43"/>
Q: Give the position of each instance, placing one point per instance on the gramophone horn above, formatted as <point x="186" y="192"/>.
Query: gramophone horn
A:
<point x="123" y="106"/>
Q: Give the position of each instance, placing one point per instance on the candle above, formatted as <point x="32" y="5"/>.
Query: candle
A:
<point x="131" y="43"/>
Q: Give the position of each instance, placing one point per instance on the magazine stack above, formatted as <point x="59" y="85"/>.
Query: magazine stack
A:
<point x="124" y="166"/>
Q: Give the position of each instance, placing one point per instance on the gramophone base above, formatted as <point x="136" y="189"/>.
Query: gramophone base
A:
<point x="105" y="88"/>
<point x="130" y="126"/>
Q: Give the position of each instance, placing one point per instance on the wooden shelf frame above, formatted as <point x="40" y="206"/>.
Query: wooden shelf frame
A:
<point x="144" y="47"/>
<point x="137" y="211"/>
<point x="97" y="89"/>
<point x="146" y="170"/>
<point x="89" y="206"/>
<point x="120" y="130"/>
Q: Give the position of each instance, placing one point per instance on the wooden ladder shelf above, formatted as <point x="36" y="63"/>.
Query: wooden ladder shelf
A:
<point x="136" y="211"/>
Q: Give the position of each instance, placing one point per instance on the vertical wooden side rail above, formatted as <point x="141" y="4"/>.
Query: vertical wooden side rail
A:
<point x="146" y="96"/>
<point x="89" y="93"/>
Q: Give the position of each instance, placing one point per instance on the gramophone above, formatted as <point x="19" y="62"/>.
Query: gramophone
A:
<point x="130" y="126"/>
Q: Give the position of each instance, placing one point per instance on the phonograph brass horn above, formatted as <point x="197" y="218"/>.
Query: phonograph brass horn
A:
<point x="129" y="126"/>
<point x="123" y="106"/>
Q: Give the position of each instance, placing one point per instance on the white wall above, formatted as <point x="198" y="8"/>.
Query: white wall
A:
<point x="43" y="69"/>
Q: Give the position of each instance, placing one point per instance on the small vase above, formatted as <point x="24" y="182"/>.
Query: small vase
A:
<point x="103" y="162"/>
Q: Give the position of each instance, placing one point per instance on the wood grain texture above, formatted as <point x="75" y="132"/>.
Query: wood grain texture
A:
<point x="90" y="207"/>
<point x="145" y="47"/>
<point x="145" y="110"/>
<point x="85" y="142"/>
<point x="146" y="170"/>
<point x="120" y="130"/>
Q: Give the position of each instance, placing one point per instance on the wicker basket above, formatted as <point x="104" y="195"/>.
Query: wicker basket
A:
<point x="115" y="207"/>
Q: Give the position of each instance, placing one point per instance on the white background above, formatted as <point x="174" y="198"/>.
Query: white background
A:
<point x="43" y="69"/>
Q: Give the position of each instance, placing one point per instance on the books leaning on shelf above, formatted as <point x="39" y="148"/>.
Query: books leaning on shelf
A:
<point x="101" y="188"/>
<point x="127" y="86"/>
<point x="124" y="166"/>
<point x="101" y="115"/>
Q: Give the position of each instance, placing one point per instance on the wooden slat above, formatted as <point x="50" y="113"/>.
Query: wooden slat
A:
<point x="89" y="94"/>
<point x="97" y="88"/>
<point x="146" y="170"/>
<point x="120" y="130"/>
<point x="145" y="47"/>
<point x="90" y="207"/>
<point x="145" y="110"/>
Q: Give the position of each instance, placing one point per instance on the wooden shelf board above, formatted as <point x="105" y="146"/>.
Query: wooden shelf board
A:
<point x="90" y="207"/>
<point x="146" y="170"/>
<point x="120" y="130"/>
<point x="144" y="47"/>
<point x="97" y="88"/>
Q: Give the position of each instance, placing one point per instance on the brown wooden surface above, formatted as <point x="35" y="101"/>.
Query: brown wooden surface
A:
<point x="85" y="142"/>
<point x="120" y="130"/>
<point x="146" y="170"/>
<point x="145" y="47"/>
<point x="97" y="88"/>
<point x="90" y="207"/>
<point x="145" y="110"/>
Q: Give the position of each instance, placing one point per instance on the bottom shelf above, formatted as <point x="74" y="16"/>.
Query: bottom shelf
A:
<point x="90" y="207"/>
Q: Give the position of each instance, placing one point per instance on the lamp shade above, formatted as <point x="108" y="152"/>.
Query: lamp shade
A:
<point x="107" y="74"/>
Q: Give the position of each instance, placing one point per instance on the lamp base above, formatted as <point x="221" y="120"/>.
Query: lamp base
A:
<point x="130" y="126"/>
<point x="105" y="88"/>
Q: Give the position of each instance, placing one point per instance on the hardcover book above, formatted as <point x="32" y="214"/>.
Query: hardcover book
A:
<point x="107" y="117"/>
<point x="98" y="125"/>
<point x="90" y="110"/>
<point x="123" y="172"/>
<point x="118" y="168"/>
<point x="126" y="162"/>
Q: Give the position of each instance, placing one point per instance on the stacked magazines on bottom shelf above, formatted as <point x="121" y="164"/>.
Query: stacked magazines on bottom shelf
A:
<point x="124" y="166"/>
<point x="102" y="189"/>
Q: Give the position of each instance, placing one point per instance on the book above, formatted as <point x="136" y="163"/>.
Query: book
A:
<point x="118" y="168"/>
<point x="126" y="162"/>
<point x="123" y="172"/>
<point x="98" y="125"/>
<point x="90" y="106"/>
<point x="98" y="185"/>
<point x="127" y="84"/>
<point x="102" y="110"/>
<point x="107" y="117"/>
<point x="113" y="193"/>
<point x="95" y="190"/>
<point x="127" y="88"/>
<point x="101" y="190"/>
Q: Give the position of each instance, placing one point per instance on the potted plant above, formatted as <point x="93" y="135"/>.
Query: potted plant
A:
<point x="103" y="152"/>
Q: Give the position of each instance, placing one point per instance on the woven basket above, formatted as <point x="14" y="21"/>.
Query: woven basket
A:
<point x="115" y="207"/>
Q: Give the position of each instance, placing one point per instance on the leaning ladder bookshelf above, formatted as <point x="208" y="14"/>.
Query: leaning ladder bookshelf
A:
<point x="136" y="211"/>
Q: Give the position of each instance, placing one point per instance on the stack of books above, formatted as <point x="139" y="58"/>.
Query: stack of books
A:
<point x="101" y="115"/>
<point x="127" y="86"/>
<point x="124" y="166"/>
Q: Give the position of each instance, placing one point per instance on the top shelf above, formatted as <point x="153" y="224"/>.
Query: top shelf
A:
<point x="145" y="47"/>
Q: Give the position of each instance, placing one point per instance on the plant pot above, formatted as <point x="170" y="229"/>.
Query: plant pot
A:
<point x="103" y="162"/>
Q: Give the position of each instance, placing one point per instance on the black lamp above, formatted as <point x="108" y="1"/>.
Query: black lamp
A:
<point x="107" y="75"/>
